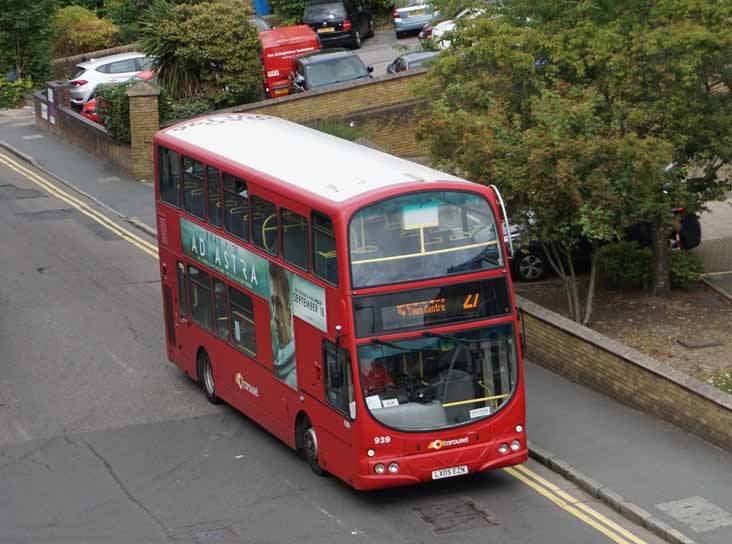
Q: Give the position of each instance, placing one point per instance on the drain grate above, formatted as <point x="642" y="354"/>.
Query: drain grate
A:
<point x="211" y="536"/>
<point x="451" y="517"/>
<point x="11" y="192"/>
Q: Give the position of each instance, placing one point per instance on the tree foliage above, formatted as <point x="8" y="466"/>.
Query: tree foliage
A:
<point x="24" y="34"/>
<point x="205" y="49"/>
<point x="79" y="30"/>
<point x="590" y="116"/>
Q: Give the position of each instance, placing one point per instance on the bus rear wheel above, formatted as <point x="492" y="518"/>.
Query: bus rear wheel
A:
<point x="206" y="377"/>
<point x="310" y="448"/>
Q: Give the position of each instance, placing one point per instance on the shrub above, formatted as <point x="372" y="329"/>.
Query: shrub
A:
<point x="722" y="380"/>
<point x="338" y="128"/>
<point x="113" y="108"/>
<point x="625" y="265"/>
<point x="78" y="30"/>
<point x="187" y="108"/>
<point x="684" y="268"/>
<point x="12" y="94"/>
<point x="289" y="10"/>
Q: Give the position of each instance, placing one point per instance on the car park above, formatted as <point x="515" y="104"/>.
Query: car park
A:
<point x="111" y="69"/>
<point x="280" y="47"/>
<point x="328" y="67"/>
<point x="412" y="15"/>
<point x="530" y="262"/>
<point x="339" y="22"/>
<point x="410" y="61"/>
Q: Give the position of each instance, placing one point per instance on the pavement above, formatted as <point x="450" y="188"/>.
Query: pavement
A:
<point x="673" y="483"/>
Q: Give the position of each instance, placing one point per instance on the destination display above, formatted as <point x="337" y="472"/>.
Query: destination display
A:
<point x="430" y="307"/>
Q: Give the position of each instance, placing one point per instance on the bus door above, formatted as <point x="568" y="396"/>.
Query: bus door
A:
<point x="180" y="320"/>
<point x="336" y="438"/>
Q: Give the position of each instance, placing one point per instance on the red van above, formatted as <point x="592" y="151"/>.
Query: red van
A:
<point x="280" y="48"/>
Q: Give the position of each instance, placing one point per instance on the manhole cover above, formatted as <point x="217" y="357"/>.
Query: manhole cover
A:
<point x="11" y="192"/>
<point x="455" y="516"/>
<point x="698" y="513"/>
<point x="210" y="536"/>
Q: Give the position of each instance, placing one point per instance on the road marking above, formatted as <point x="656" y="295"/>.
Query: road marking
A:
<point x="140" y="243"/>
<point x="609" y="528"/>
<point x="580" y="510"/>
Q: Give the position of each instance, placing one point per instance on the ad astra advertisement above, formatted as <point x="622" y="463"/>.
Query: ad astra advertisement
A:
<point x="288" y="294"/>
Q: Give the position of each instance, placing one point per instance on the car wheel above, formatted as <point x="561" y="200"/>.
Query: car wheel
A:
<point x="529" y="267"/>
<point x="399" y="35"/>
<point x="357" y="40"/>
<point x="370" y="33"/>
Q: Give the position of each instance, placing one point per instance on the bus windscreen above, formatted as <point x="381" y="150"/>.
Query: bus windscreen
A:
<point x="423" y="235"/>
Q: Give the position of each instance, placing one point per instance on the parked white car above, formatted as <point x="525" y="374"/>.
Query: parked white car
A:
<point x="440" y="30"/>
<point x="111" y="69"/>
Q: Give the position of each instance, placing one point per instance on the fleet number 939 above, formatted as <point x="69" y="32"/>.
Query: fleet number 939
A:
<point x="382" y="439"/>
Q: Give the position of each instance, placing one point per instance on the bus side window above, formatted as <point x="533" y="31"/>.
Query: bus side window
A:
<point x="194" y="188"/>
<point x="182" y="305"/>
<point x="264" y="224"/>
<point x="200" y="296"/>
<point x="169" y="176"/>
<point x="325" y="258"/>
<point x="294" y="239"/>
<point x="242" y="321"/>
<point x="338" y="381"/>
<point x="214" y="196"/>
<point x="221" y="310"/>
<point x="236" y="206"/>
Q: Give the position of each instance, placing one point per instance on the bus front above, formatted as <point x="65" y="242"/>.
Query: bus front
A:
<point x="437" y="358"/>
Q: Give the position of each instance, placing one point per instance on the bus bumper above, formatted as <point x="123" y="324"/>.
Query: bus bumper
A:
<point x="418" y="468"/>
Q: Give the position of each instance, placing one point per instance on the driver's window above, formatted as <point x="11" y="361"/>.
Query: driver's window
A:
<point x="338" y="380"/>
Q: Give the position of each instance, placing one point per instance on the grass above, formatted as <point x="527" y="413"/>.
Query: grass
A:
<point x="722" y="380"/>
<point x="341" y="129"/>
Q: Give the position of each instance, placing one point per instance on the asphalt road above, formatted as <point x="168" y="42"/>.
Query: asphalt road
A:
<point x="103" y="440"/>
<point x="383" y="48"/>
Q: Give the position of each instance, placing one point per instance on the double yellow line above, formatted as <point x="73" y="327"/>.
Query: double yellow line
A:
<point x="591" y="517"/>
<point x="140" y="243"/>
<point x="574" y="506"/>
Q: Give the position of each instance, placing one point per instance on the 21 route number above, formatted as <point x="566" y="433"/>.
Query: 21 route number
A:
<point x="382" y="439"/>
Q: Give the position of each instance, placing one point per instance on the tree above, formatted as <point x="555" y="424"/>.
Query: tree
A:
<point x="204" y="49"/>
<point x="24" y="33"/>
<point x="640" y="84"/>
<point x="79" y="30"/>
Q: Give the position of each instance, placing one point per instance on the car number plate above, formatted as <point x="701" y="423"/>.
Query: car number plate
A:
<point x="416" y="12"/>
<point x="449" y="472"/>
<point x="326" y="29"/>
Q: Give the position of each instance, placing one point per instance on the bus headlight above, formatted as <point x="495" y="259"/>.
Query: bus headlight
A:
<point x="393" y="468"/>
<point x="379" y="468"/>
<point x="503" y="449"/>
<point x="515" y="445"/>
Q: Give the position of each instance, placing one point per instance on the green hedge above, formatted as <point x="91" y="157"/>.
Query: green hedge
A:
<point x="12" y="94"/>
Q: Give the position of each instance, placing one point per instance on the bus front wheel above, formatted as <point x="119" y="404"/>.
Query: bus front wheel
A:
<point x="206" y="377"/>
<point x="310" y="448"/>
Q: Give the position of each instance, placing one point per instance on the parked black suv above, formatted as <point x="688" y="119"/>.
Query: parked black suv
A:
<point x="339" y="22"/>
<point x="328" y="67"/>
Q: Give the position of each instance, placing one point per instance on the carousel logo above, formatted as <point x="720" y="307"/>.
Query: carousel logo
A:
<point x="245" y="386"/>
<point x="439" y="444"/>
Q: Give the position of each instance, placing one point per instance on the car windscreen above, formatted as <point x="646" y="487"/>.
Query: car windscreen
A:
<point x="334" y="71"/>
<point x="320" y="12"/>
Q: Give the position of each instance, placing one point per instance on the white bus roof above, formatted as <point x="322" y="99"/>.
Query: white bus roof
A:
<point x="330" y="167"/>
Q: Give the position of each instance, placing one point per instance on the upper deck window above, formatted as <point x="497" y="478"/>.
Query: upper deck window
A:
<point x="423" y="235"/>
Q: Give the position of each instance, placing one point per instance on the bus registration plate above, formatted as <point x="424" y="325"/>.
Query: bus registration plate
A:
<point x="449" y="472"/>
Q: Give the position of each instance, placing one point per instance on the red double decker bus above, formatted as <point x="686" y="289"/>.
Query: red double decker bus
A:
<point x="356" y="305"/>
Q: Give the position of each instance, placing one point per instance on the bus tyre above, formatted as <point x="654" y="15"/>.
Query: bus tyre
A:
<point x="206" y="377"/>
<point x="310" y="448"/>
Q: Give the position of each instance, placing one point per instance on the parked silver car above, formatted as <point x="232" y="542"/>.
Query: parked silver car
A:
<point x="412" y="15"/>
<point x="111" y="69"/>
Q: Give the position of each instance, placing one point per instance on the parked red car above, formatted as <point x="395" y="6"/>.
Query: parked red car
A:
<point x="280" y="48"/>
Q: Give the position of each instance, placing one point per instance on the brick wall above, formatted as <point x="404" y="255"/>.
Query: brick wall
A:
<point x="144" y="123"/>
<point x="384" y="108"/>
<point x="78" y="130"/>
<point x="591" y="359"/>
